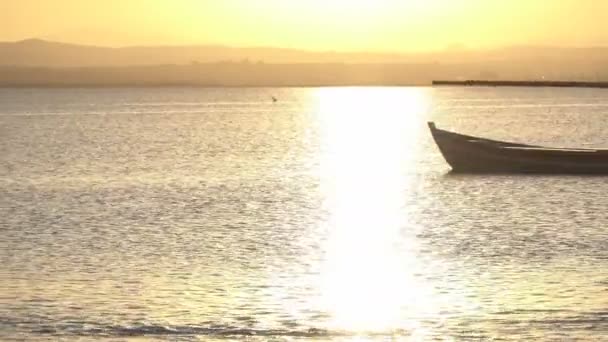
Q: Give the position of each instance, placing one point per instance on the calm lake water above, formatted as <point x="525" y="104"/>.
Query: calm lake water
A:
<point x="189" y="214"/>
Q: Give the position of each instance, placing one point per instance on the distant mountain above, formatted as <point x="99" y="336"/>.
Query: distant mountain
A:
<point x="36" y="62"/>
<point x="36" y="52"/>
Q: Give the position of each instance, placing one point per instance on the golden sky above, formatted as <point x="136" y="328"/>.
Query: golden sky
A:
<point x="342" y="25"/>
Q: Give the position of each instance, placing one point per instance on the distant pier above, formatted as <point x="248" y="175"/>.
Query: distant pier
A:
<point x="482" y="83"/>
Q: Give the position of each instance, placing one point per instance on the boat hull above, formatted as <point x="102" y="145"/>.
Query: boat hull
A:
<point x="468" y="154"/>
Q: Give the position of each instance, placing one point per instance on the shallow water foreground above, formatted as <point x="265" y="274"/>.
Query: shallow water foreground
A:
<point x="212" y="213"/>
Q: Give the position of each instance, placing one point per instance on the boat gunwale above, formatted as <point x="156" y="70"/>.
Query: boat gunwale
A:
<point x="512" y="145"/>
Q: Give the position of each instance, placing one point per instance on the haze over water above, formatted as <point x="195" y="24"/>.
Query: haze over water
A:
<point x="214" y="213"/>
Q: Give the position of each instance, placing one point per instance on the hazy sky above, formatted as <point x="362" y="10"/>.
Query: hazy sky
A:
<point x="374" y="25"/>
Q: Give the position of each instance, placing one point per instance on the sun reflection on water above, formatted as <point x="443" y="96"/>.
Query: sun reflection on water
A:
<point x="369" y="137"/>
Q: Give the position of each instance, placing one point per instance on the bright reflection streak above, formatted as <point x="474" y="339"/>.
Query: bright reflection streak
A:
<point x="370" y="136"/>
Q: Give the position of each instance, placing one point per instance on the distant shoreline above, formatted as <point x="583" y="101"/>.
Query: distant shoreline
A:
<point x="223" y="74"/>
<point x="469" y="83"/>
<point x="487" y="83"/>
<point x="201" y="85"/>
<point x="473" y="83"/>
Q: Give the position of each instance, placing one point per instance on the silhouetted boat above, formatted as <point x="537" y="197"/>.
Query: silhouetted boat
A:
<point x="469" y="154"/>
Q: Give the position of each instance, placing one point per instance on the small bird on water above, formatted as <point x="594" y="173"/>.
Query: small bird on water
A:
<point x="274" y="99"/>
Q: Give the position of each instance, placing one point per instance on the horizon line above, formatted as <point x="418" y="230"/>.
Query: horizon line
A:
<point x="449" y="48"/>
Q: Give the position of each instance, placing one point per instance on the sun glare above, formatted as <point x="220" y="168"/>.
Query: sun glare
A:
<point x="350" y="5"/>
<point x="369" y="137"/>
<point x="340" y="13"/>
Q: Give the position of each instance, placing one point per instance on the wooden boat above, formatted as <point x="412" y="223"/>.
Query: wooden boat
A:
<point x="469" y="154"/>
